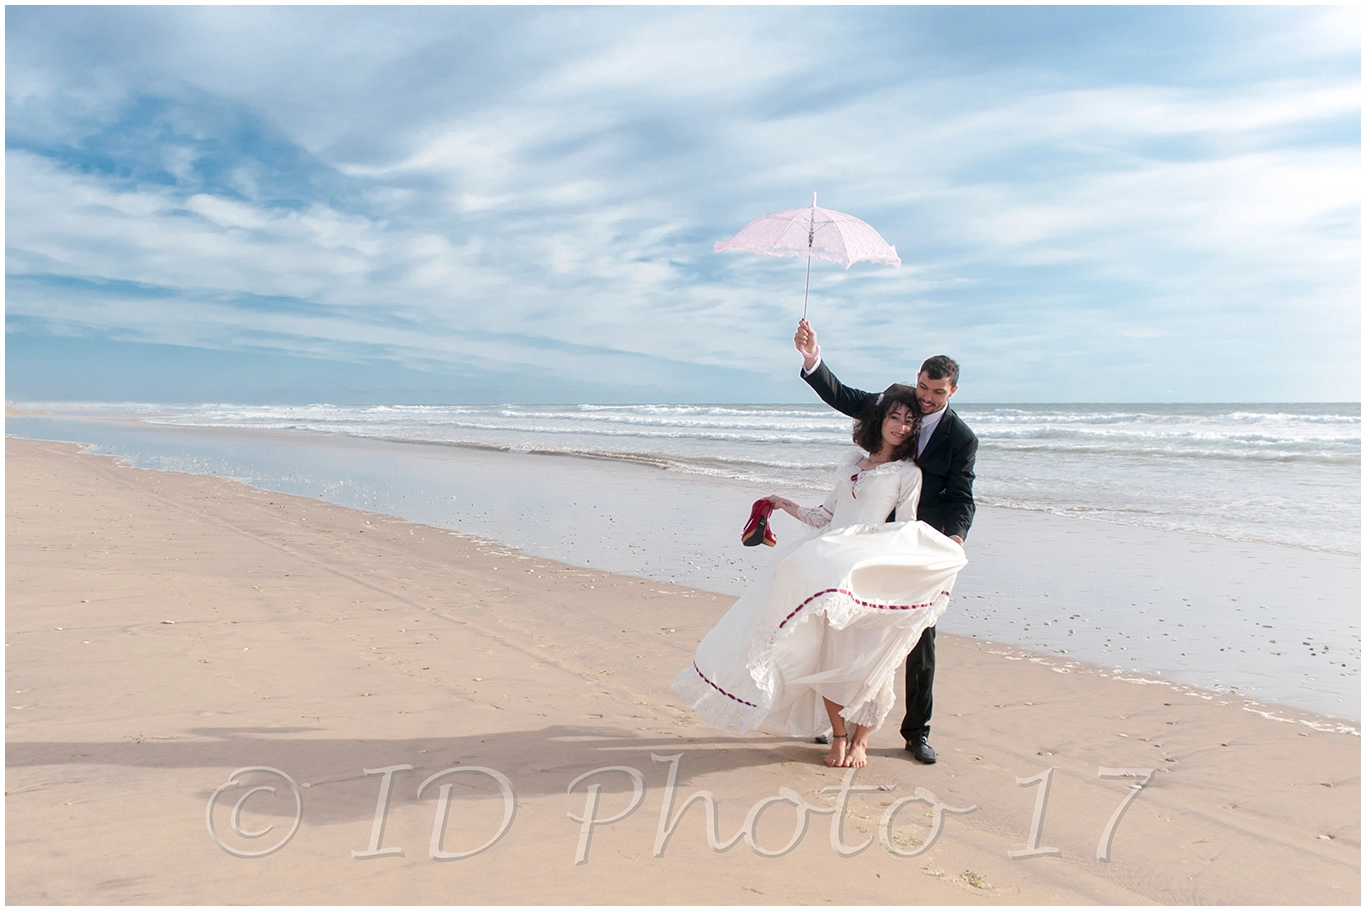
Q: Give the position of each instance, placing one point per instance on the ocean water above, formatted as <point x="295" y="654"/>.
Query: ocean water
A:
<point x="1282" y="474"/>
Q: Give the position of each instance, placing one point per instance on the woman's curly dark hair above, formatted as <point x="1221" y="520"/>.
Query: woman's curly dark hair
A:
<point x="868" y="427"/>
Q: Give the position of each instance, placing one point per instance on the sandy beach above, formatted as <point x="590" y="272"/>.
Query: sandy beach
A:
<point x="164" y="630"/>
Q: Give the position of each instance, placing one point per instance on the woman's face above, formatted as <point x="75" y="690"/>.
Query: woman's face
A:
<point x="898" y="424"/>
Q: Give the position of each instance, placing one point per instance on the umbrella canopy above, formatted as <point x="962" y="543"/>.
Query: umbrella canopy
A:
<point x="823" y="233"/>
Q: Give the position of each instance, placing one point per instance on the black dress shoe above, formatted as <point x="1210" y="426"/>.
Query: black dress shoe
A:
<point x="919" y="747"/>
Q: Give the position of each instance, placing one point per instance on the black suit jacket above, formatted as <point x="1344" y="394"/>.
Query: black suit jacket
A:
<point x="946" y="465"/>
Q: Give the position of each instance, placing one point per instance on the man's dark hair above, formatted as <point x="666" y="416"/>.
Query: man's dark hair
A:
<point x="941" y="366"/>
<point x="868" y="427"/>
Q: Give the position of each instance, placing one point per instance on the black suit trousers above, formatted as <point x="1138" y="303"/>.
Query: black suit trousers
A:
<point x="919" y="687"/>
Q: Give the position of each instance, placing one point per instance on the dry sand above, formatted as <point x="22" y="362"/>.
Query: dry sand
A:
<point x="164" y="630"/>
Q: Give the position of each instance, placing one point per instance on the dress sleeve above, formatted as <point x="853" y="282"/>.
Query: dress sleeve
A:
<point x="910" y="493"/>
<point x="819" y="516"/>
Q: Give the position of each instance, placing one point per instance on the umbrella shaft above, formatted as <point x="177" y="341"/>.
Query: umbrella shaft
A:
<point x="807" y="289"/>
<point x="810" y="241"/>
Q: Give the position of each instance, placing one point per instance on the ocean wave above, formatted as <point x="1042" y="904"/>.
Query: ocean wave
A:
<point x="1232" y="436"/>
<point x="1154" y="454"/>
<point x="1144" y="418"/>
<point x="439" y="431"/>
<point x="1290" y="417"/>
<point x="763" y="421"/>
<point x="815" y="475"/>
<point x="1068" y="418"/>
<point x="737" y="410"/>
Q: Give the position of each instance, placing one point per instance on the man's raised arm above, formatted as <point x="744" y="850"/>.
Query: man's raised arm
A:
<point x="842" y="398"/>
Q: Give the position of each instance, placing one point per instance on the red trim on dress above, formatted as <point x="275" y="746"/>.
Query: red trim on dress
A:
<point x="718" y="689"/>
<point x="831" y="591"/>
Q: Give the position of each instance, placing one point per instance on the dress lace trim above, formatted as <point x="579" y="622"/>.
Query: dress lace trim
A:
<point x="815" y="516"/>
<point x="860" y="475"/>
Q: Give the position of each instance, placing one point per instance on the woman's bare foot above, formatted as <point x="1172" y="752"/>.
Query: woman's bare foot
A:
<point x="856" y="755"/>
<point x="839" y="744"/>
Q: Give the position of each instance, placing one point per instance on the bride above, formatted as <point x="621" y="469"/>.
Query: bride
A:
<point x="816" y="641"/>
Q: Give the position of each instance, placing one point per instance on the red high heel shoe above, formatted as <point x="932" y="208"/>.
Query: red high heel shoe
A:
<point x="756" y="530"/>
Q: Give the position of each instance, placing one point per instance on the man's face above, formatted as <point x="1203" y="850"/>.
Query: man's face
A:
<point x="932" y="395"/>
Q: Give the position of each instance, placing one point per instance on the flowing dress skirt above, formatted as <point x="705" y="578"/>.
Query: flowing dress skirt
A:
<point x="834" y="617"/>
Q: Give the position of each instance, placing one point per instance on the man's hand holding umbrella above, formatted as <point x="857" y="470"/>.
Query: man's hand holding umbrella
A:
<point x="805" y="340"/>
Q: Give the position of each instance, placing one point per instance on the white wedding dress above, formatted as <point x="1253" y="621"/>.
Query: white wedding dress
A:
<point x="834" y="616"/>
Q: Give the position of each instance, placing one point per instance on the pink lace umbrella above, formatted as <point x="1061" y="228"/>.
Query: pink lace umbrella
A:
<point x="812" y="232"/>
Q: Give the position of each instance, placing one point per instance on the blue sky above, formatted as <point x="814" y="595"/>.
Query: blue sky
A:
<point x="446" y="204"/>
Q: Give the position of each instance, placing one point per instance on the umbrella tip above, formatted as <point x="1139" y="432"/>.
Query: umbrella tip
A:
<point x="813" y="199"/>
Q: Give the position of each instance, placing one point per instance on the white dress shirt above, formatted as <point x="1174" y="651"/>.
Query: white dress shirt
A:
<point x="927" y="424"/>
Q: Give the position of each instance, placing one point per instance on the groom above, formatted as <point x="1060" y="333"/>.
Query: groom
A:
<point x="945" y="453"/>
